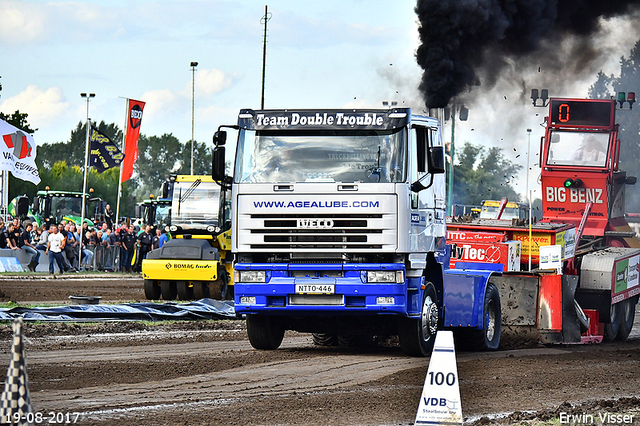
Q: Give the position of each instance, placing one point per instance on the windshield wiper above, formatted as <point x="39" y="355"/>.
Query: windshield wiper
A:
<point x="187" y="193"/>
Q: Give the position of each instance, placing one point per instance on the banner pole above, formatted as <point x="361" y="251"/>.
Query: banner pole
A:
<point x="84" y="186"/>
<point x="124" y="142"/>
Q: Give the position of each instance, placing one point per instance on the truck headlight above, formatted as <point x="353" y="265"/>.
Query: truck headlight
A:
<point x="252" y="277"/>
<point x="385" y="276"/>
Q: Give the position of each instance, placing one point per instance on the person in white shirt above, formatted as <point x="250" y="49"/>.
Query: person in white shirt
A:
<point x="55" y="244"/>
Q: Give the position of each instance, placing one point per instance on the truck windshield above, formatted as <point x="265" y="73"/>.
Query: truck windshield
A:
<point x="321" y="155"/>
<point x="195" y="204"/>
<point x="578" y="149"/>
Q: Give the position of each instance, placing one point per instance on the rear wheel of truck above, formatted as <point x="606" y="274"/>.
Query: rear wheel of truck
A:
<point x="264" y="331"/>
<point x="611" y="328"/>
<point x="488" y="338"/>
<point x="417" y="335"/>
<point x="151" y="290"/>
<point x="627" y="315"/>
<point x="324" y="339"/>
<point x="185" y="291"/>
<point x="168" y="290"/>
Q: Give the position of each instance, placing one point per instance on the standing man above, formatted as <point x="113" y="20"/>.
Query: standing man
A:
<point x="108" y="216"/>
<point x="146" y="241"/>
<point x="129" y="246"/>
<point x="159" y="239"/>
<point x="55" y="244"/>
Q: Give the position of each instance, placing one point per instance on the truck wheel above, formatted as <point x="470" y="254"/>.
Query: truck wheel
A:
<point x="417" y="335"/>
<point x="168" y="290"/>
<point x="201" y="290"/>
<point x="185" y="291"/>
<point x="151" y="290"/>
<point x="611" y="329"/>
<point x="264" y="331"/>
<point x="627" y="315"/>
<point x="351" y="340"/>
<point x="488" y="338"/>
<point x="324" y="339"/>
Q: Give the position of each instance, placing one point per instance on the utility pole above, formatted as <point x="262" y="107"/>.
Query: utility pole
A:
<point x="265" y="18"/>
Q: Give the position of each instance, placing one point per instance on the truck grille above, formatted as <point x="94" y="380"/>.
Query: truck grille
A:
<point x="326" y="232"/>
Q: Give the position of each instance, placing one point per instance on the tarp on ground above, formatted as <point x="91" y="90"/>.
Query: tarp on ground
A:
<point x="198" y="310"/>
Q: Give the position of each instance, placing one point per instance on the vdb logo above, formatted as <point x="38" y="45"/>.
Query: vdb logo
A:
<point x="315" y="223"/>
<point x="168" y="266"/>
<point x="136" y="116"/>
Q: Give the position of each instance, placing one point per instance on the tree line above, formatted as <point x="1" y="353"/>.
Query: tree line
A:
<point x="61" y="164"/>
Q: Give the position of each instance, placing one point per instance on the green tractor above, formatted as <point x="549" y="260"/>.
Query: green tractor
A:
<point x="54" y="206"/>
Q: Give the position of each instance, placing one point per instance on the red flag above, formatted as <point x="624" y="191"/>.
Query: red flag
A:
<point x="134" y="117"/>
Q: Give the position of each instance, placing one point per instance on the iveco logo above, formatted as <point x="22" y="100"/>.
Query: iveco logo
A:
<point x="315" y="223"/>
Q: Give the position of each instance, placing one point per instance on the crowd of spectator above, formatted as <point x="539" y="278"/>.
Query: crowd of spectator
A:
<point x="130" y="243"/>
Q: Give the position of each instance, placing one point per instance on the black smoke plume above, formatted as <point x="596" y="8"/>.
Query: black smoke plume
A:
<point x="466" y="42"/>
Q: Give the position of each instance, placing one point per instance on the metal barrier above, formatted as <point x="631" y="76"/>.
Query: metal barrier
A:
<point x="104" y="258"/>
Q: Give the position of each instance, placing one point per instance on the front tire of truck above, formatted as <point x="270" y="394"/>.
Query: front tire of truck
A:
<point x="488" y="338"/>
<point x="265" y="332"/>
<point x="418" y="335"/>
<point x="627" y="316"/>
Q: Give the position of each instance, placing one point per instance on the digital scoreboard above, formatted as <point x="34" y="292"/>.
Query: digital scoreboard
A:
<point x="582" y="112"/>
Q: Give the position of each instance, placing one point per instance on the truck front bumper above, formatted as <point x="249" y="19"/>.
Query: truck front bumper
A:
<point x="318" y="289"/>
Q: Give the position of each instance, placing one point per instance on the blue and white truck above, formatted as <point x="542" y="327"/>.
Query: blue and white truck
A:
<point x="339" y="230"/>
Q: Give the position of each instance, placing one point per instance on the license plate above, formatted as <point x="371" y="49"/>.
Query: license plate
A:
<point x="315" y="288"/>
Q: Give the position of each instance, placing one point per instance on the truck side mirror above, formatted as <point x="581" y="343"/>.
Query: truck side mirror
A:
<point x="165" y="190"/>
<point x="436" y="160"/>
<point x="218" y="171"/>
<point x="219" y="138"/>
<point x="138" y="212"/>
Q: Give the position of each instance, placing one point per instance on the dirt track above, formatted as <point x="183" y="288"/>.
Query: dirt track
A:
<point x="207" y="373"/>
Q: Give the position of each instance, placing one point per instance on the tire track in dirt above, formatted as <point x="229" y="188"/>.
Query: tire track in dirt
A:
<point x="273" y="378"/>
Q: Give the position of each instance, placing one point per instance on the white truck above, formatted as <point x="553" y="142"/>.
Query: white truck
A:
<point x="339" y="230"/>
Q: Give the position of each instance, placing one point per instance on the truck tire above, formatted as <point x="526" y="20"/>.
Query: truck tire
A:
<point x="627" y="315"/>
<point x="168" y="290"/>
<point x="264" y="331"/>
<point x="324" y="339"/>
<point x="351" y="340"/>
<point x="488" y="338"/>
<point x="417" y="336"/>
<point x="201" y="290"/>
<point x="611" y="328"/>
<point x="185" y="291"/>
<point x="151" y="290"/>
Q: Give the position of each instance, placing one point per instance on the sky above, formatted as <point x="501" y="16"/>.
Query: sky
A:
<point x="329" y="54"/>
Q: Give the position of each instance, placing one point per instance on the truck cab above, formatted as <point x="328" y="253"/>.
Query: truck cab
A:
<point x="339" y="225"/>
